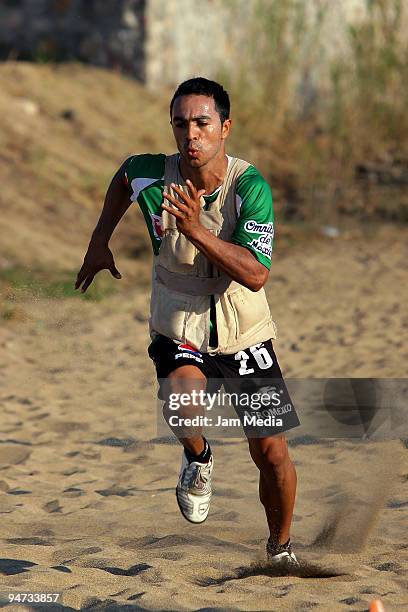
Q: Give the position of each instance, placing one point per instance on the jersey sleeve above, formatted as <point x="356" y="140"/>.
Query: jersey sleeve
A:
<point x="254" y="229"/>
<point x="141" y="171"/>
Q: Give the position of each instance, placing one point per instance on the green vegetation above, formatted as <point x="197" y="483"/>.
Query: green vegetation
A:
<point x="329" y="130"/>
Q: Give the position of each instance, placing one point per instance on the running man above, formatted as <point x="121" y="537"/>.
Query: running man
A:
<point x="210" y="221"/>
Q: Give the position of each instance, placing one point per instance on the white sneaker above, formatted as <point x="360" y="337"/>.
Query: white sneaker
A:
<point x="193" y="490"/>
<point x="282" y="557"/>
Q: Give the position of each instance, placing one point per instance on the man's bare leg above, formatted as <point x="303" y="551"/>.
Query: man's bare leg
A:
<point x="193" y="491"/>
<point x="277" y="484"/>
<point x="184" y="380"/>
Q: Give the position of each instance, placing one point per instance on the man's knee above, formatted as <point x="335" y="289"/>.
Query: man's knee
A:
<point x="181" y="394"/>
<point x="270" y="453"/>
<point x="185" y="379"/>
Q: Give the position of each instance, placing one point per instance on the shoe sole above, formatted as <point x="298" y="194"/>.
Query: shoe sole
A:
<point x="184" y="516"/>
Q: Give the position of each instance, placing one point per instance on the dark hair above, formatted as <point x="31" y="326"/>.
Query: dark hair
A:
<point x="200" y="86"/>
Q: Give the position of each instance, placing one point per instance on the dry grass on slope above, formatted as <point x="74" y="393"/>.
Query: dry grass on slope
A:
<point x="64" y="130"/>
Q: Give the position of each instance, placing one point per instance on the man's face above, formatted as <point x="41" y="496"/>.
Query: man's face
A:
<point x="197" y="129"/>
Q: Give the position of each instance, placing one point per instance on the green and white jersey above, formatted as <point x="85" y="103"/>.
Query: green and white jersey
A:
<point x="144" y="174"/>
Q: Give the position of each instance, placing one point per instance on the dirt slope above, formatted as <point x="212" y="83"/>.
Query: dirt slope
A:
<point x="64" y="130"/>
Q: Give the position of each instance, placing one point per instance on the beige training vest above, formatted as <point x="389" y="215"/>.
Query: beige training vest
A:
<point x="183" y="279"/>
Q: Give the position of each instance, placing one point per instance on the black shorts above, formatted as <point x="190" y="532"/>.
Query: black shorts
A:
<point x="248" y="371"/>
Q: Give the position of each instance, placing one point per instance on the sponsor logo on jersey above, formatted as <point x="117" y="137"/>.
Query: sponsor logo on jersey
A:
<point x="186" y="348"/>
<point x="262" y="247"/>
<point x="157" y="226"/>
<point x="188" y="352"/>
<point x="259" y="228"/>
<point x="263" y="243"/>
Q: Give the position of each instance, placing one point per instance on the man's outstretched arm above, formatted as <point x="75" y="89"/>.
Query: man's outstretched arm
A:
<point x="99" y="256"/>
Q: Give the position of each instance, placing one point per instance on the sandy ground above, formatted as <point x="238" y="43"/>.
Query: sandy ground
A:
<point x="88" y="507"/>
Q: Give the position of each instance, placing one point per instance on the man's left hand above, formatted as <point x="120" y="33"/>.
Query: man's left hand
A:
<point x="186" y="211"/>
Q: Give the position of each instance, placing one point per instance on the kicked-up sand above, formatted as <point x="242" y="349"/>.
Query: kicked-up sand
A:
<point x="87" y="498"/>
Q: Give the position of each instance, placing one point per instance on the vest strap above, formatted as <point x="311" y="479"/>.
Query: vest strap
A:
<point x="194" y="285"/>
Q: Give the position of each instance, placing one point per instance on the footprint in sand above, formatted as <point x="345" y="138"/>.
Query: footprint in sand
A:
<point x="11" y="454"/>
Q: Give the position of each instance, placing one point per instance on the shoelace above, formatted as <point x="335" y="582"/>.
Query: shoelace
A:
<point x="199" y="475"/>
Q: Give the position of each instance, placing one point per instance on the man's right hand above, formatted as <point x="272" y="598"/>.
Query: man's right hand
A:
<point x="98" y="257"/>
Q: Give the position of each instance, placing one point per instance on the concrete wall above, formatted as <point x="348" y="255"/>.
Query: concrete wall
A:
<point x="211" y="37"/>
<point x="189" y="38"/>
<point x="159" y="41"/>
